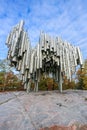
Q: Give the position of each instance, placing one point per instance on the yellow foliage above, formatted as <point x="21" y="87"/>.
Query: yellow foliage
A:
<point x="67" y="84"/>
<point x="82" y="77"/>
<point x="47" y="84"/>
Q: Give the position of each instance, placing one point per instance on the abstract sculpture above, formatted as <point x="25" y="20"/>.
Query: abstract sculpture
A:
<point x="51" y="56"/>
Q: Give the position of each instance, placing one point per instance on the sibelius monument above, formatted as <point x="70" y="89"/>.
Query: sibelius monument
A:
<point x="51" y="56"/>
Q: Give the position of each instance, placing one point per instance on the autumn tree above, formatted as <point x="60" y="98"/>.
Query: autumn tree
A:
<point x="85" y="75"/>
<point x="82" y="77"/>
<point x="12" y="82"/>
<point x="47" y="83"/>
<point x="8" y="80"/>
<point x="67" y="84"/>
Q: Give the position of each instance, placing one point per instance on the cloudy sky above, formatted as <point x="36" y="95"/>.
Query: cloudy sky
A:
<point x="65" y="18"/>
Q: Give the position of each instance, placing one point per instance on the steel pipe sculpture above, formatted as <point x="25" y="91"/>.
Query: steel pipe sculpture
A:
<point x="51" y="56"/>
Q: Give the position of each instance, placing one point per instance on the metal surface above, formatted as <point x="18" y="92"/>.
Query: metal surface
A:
<point x="52" y="55"/>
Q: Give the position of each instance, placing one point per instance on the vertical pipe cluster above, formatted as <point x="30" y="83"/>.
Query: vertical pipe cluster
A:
<point x="51" y="56"/>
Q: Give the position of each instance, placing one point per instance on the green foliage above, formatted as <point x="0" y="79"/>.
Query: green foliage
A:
<point x="82" y="77"/>
<point x="67" y="84"/>
<point x="9" y="81"/>
<point x="32" y="86"/>
<point x="4" y="66"/>
<point x="42" y="85"/>
<point x="47" y="84"/>
<point x="1" y="77"/>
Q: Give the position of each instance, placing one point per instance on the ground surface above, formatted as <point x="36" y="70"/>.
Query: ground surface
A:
<point x="33" y="111"/>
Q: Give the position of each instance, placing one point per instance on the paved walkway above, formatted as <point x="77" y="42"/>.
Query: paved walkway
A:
<point x="33" y="111"/>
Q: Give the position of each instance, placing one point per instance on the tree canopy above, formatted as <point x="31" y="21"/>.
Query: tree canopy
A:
<point x="82" y="77"/>
<point x="8" y="80"/>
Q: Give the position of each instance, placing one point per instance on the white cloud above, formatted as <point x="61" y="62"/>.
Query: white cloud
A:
<point x="64" y="18"/>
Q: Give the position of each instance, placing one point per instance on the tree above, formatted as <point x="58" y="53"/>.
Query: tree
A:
<point x="12" y="81"/>
<point x="85" y="75"/>
<point x="2" y="81"/>
<point x="47" y="84"/>
<point x="8" y="80"/>
<point x="81" y="76"/>
<point x="4" y="66"/>
<point x="67" y="84"/>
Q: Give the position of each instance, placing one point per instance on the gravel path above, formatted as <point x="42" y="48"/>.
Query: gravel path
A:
<point x="22" y="111"/>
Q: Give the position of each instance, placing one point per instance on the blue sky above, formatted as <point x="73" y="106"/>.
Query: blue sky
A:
<point x="65" y="18"/>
